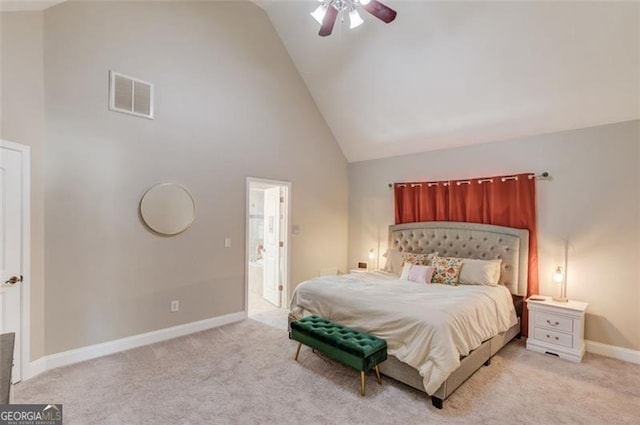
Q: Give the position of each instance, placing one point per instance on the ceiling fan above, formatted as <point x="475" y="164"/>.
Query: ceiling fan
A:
<point x="328" y="11"/>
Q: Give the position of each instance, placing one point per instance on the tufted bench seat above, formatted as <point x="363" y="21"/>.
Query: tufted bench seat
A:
<point x="353" y="348"/>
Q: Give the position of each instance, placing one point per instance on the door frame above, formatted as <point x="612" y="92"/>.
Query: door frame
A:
<point x="25" y="286"/>
<point x="287" y="239"/>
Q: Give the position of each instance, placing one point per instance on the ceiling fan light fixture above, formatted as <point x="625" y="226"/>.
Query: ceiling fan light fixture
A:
<point x="330" y="11"/>
<point x="354" y="19"/>
<point x="319" y="13"/>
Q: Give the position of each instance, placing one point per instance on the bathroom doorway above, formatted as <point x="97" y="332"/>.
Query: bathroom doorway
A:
<point x="267" y="268"/>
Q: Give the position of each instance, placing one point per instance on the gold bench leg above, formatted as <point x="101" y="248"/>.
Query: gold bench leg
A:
<point x="362" y="383"/>
<point x="378" y="375"/>
<point x="298" y="351"/>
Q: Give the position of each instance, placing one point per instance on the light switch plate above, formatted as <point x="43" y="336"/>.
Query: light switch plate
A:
<point x="227" y="242"/>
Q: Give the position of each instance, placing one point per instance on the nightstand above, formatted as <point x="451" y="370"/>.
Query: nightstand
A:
<point x="556" y="328"/>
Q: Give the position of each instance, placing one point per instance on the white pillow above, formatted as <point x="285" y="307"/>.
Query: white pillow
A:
<point x="480" y="272"/>
<point x="394" y="261"/>
<point x="405" y="271"/>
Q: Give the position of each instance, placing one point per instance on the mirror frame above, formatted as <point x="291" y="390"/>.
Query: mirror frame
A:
<point x="150" y="226"/>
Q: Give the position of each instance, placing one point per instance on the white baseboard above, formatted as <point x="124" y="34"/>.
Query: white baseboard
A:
<point x="66" y="358"/>
<point x="615" y="352"/>
<point x="34" y="368"/>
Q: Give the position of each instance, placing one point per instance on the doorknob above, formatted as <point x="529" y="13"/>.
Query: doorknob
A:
<point x="13" y="280"/>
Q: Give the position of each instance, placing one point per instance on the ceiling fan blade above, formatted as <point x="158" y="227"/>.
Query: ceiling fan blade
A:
<point x="380" y="11"/>
<point x="328" y="22"/>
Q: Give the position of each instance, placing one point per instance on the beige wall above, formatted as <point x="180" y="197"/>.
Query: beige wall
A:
<point x="229" y="104"/>
<point x="593" y="201"/>
<point x="22" y="106"/>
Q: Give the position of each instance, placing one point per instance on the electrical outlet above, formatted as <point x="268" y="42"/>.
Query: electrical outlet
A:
<point x="175" y="306"/>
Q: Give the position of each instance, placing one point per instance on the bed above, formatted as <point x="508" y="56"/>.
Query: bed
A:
<point x="433" y="349"/>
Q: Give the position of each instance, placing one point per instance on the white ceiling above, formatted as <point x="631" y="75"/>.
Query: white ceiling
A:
<point x="450" y="73"/>
<point x="23" y="5"/>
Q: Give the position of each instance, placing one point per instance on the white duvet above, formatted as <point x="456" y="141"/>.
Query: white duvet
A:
<point x="428" y="326"/>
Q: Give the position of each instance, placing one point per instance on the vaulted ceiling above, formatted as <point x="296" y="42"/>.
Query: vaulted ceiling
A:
<point x="449" y="73"/>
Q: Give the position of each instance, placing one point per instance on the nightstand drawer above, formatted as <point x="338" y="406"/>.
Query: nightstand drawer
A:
<point x="552" y="337"/>
<point x="552" y="321"/>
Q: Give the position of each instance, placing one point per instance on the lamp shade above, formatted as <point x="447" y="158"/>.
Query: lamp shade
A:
<point x="558" y="275"/>
<point x="319" y="13"/>
<point x="354" y="19"/>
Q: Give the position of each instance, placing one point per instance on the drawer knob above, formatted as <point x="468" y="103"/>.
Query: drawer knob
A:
<point x="554" y="323"/>
<point x="556" y="337"/>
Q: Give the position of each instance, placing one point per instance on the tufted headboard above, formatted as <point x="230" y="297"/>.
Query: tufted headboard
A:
<point x="469" y="240"/>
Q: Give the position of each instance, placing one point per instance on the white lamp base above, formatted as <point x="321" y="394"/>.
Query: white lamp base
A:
<point x="560" y="299"/>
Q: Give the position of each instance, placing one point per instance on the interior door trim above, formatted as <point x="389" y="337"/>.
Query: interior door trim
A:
<point x="25" y="286"/>
<point x="286" y="279"/>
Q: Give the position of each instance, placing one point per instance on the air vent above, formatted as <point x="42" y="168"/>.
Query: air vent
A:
<point x="130" y="95"/>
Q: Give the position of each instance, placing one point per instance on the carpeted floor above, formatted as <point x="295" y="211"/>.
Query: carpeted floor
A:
<point x="244" y="373"/>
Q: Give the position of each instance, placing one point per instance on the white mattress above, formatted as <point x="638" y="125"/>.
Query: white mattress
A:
<point x="426" y="326"/>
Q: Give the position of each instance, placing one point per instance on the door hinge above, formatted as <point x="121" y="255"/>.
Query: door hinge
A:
<point x="282" y="199"/>
<point x="281" y="244"/>
<point x="280" y="288"/>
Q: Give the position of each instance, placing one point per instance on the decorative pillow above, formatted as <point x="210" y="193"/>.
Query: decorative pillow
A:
<point x="421" y="274"/>
<point x="394" y="261"/>
<point x="447" y="270"/>
<point x="480" y="272"/>
<point x="419" y="259"/>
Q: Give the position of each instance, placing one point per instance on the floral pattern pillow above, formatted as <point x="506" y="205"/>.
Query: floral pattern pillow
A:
<point x="418" y="259"/>
<point x="447" y="270"/>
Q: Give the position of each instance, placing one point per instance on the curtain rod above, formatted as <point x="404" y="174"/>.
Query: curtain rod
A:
<point x="542" y="176"/>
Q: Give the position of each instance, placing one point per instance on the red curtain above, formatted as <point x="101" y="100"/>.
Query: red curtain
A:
<point x="421" y="202"/>
<point x="504" y="201"/>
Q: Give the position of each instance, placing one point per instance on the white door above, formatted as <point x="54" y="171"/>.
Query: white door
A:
<point x="271" y="255"/>
<point x="11" y="249"/>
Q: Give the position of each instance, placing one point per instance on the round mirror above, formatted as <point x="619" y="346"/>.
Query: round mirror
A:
<point x="167" y="209"/>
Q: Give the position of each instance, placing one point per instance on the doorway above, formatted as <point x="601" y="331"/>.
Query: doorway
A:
<point x="267" y="256"/>
<point x="14" y="251"/>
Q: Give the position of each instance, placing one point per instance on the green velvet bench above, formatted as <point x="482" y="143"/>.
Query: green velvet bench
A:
<point x="353" y="348"/>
